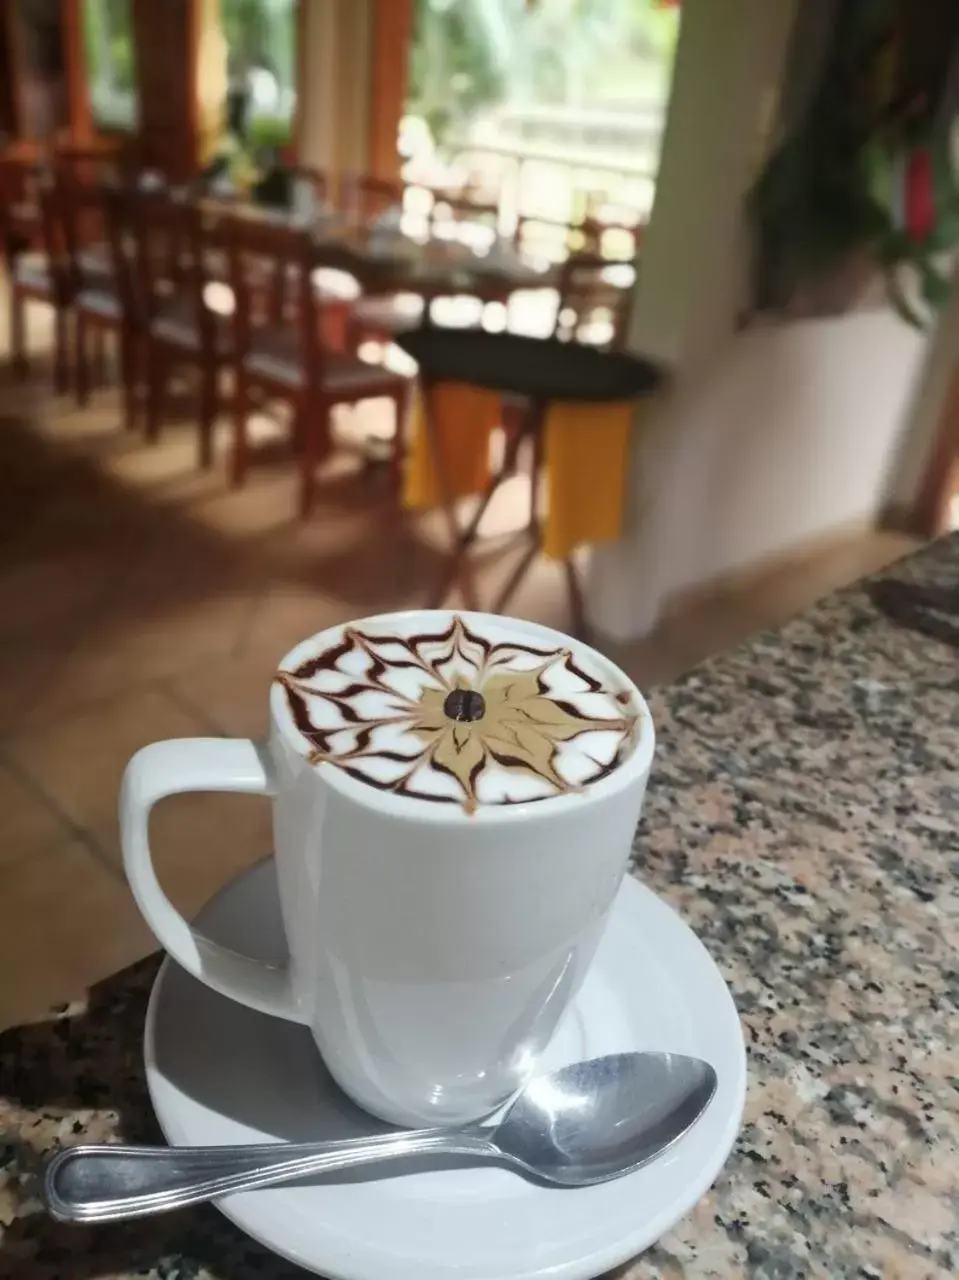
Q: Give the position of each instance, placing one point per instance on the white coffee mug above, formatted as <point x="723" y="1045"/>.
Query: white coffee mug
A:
<point x="441" y="908"/>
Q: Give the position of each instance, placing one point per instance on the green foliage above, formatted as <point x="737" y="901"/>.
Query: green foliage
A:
<point x="121" y="58"/>
<point x="246" y="27"/>
<point x="268" y="132"/>
<point x="111" y="69"/>
<point x="452" y="68"/>
<point x="840" y="183"/>
<point x="471" y="54"/>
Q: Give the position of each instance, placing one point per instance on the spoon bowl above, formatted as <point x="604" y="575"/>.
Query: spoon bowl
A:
<point x="585" y="1123"/>
<point x="600" y="1119"/>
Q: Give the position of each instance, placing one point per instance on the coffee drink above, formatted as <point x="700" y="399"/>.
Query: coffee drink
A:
<point x="433" y="947"/>
<point x="460" y="713"/>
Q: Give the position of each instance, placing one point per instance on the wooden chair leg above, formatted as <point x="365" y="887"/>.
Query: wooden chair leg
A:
<point x="99" y="356"/>
<point x="574" y="591"/>
<point x="241" y="445"/>
<point x="61" y="352"/>
<point x="18" y="337"/>
<point x="128" y="375"/>
<point x="316" y="444"/>
<point x="209" y="402"/>
<point x="82" y="364"/>
<point x="299" y="428"/>
<point x="401" y="404"/>
<point x="157" y="371"/>
<point x="458" y="568"/>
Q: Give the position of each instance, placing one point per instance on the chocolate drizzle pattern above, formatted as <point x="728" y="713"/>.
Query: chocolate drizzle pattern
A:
<point x="378" y="706"/>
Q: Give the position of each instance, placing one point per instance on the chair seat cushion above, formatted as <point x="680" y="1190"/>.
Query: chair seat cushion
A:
<point x="32" y="271"/>
<point x="275" y="354"/>
<point x="178" y="324"/>
<point x="99" y="300"/>
<point x="348" y="375"/>
<point x="95" y="260"/>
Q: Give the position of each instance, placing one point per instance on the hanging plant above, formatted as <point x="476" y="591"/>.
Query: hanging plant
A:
<point x="916" y="185"/>
<point x="870" y="173"/>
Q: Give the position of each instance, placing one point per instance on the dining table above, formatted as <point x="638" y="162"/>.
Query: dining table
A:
<point x="802" y="818"/>
<point x="388" y="254"/>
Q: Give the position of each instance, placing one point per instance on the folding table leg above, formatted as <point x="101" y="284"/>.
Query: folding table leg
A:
<point x="577" y="610"/>
<point x="459" y="568"/>
<point x="466" y="537"/>
<point x="517" y="576"/>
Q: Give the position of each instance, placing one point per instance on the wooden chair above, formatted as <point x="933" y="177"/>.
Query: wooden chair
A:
<point x="597" y="275"/>
<point x="287" y="358"/>
<point x="36" y="262"/>
<point x="102" y="296"/>
<point x="461" y="224"/>
<point x="178" y="327"/>
<point x="595" y="302"/>
<point x="78" y="167"/>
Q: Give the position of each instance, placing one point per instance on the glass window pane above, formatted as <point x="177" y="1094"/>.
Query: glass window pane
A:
<point x="111" y="72"/>
<point x="261" y="44"/>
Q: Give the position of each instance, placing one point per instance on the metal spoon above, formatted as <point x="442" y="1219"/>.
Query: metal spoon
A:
<point x="585" y="1123"/>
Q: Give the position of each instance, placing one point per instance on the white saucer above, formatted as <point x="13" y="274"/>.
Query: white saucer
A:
<point x="220" y="1073"/>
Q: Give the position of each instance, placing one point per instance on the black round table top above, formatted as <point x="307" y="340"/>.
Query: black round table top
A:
<point x="541" y="368"/>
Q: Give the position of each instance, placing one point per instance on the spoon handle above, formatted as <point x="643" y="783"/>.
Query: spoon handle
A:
<point x="108" y="1183"/>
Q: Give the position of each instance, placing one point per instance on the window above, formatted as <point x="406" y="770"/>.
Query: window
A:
<point x="261" y="64"/>
<point x="108" y="33"/>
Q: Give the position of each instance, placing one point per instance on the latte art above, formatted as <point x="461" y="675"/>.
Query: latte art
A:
<point x="453" y="716"/>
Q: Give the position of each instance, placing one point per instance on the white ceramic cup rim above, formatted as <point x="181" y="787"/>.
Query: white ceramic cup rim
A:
<point x="414" y="809"/>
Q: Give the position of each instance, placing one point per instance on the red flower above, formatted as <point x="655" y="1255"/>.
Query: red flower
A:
<point x="920" y="207"/>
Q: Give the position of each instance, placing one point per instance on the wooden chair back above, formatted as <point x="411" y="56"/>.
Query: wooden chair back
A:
<point x="22" y="217"/>
<point x="549" y="241"/>
<point x="80" y="220"/>
<point x="594" y="306"/>
<point x="168" y="250"/>
<point x="616" y="241"/>
<point x="87" y="165"/>
<point x="270" y="266"/>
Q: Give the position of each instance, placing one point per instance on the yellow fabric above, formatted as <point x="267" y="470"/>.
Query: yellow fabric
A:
<point x="463" y="418"/>
<point x="585" y="453"/>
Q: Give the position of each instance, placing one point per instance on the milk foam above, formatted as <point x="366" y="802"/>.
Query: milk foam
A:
<point x="540" y="719"/>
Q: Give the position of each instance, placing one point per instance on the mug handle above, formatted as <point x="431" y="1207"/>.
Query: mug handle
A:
<point x="198" y="764"/>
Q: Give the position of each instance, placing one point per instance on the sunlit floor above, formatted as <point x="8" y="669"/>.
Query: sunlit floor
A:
<point x="142" y="599"/>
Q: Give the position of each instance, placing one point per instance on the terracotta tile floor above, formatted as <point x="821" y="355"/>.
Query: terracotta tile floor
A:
<point x="140" y="599"/>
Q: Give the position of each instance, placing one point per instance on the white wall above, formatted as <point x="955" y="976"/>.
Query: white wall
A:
<point x="908" y="465"/>
<point x="788" y="433"/>
<point x="772" y="435"/>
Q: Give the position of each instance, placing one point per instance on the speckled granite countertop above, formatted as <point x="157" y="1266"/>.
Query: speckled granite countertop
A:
<point x="804" y="820"/>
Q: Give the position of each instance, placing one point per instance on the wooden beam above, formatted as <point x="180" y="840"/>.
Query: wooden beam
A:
<point x="75" y="71"/>
<point x="940" y="481"/>
<point x="391" y="38"/>
<point x="16" y="58"/>
<point x="165" y="40"/>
